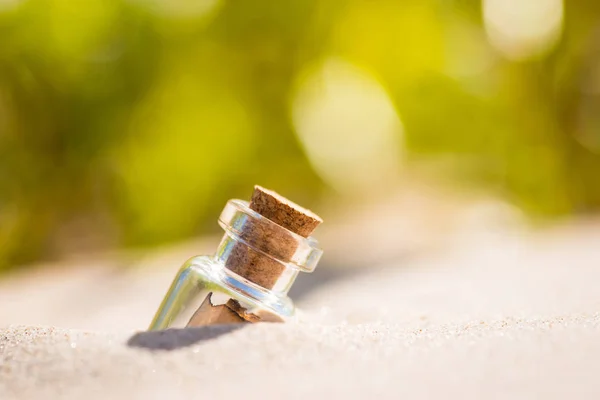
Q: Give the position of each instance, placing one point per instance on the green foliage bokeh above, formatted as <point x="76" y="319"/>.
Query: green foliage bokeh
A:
<point x="140" y="118"/>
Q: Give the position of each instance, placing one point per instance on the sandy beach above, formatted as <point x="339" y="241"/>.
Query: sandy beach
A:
<point x="495" y="314"/>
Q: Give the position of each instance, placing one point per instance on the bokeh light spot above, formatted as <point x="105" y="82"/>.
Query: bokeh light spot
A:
<point x="8" y="5"/>
<point x="348" y="126"/>
<point x="523" y="29"/>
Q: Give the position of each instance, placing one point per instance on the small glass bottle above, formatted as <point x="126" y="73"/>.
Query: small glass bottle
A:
<point x="248" y="278"/>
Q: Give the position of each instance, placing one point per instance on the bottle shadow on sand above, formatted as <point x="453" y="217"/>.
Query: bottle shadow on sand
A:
<point x="173" y="339"/>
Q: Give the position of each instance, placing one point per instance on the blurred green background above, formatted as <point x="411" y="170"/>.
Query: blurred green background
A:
<point x="131" y="122"/>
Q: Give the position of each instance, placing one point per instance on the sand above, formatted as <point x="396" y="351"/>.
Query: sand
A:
<point x="490" y="314"/>
<point x="510" y="358"/>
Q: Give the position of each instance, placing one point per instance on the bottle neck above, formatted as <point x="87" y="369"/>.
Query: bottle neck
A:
<point x="232" y="251"/>
<point x="262" y="252"/>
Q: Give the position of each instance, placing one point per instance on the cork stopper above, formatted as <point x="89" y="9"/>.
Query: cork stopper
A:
<point x="260" y="260"/>
<point x="284" y="212"/>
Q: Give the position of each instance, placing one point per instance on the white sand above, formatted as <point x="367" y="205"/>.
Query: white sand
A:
<point x="510" y="315"/>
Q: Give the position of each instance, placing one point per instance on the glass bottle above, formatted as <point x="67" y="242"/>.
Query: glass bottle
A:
<point x="246" y="280"/>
